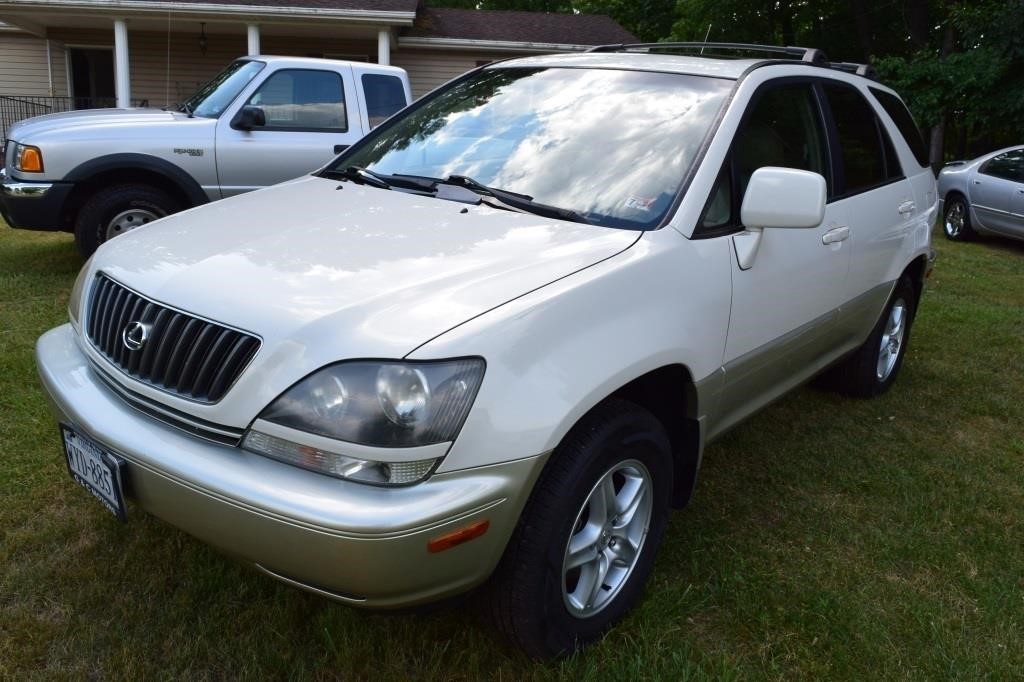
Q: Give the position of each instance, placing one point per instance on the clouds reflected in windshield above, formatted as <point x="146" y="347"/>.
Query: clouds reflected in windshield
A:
<point x="612" y="145"/>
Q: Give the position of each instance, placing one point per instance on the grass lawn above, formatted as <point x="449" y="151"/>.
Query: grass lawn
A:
<point x="828" y="537"/>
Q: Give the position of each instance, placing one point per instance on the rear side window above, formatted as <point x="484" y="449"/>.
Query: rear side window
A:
<point x="862" y="162"/>
<point x="384" y="96"/>
<point x="900" y="115"/>
<point x="1009" y="166"/>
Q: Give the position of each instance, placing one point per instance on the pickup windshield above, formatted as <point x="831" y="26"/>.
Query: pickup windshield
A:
<point x="611" y="146"/>
<point x="212" y="99"/>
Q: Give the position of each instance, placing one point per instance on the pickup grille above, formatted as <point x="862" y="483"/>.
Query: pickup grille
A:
<point x="181" y="354"/>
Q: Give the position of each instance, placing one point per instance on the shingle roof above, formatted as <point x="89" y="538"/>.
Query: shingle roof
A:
<point x="527" y="27"/>
<point x="377" y="5"/>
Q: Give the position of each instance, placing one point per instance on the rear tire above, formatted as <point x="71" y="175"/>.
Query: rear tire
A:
<point x="873" y="368"/>
<point x="586" y="541"/>
<point x="956" y="221"/>
<point x="118" y="209"/>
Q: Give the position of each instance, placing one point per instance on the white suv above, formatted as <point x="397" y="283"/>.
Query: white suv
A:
<point x="492" y="339"/>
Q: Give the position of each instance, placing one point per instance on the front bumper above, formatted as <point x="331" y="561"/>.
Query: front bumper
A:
<point x="32" y="205"/>
<point x="355" y="543"/>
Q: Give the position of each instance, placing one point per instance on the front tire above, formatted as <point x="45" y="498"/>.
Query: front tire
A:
<point x="118" y="209"/>
<point x="586" y="541"/>
<point x="873" y="368"/>
<point x="956" y="221"/>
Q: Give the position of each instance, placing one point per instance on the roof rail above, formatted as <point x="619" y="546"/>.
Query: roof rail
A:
<point x="865" y="70"/>
<point x="807" y="54"/>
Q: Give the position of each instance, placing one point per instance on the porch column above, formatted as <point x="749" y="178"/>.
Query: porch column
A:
<point x="122" y="83"/>
<point x="253" y="32"/>
<point x="384" y="46"/>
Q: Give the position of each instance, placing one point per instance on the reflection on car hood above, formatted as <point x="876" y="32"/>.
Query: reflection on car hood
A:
<point x="327" y="270"/>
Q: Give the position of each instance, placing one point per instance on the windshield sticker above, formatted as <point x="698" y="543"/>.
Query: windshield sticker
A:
<point x="639" y="203"/>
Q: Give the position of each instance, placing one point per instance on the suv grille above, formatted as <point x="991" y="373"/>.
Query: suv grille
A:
<point x="181" y="354"/>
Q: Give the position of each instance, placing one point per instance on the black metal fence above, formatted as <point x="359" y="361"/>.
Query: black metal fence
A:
<point x="14" y="108"/>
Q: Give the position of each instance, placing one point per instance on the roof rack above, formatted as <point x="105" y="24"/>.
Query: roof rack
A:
<point x="865" y="70"/>
<point x="806" y="54"/>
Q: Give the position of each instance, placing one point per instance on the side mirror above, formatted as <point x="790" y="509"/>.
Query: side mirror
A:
<point x="783" y="197"/>
<point x="249" y="117"/>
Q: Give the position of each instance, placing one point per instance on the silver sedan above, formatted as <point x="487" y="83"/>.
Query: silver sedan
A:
<point x="984" y="195"/>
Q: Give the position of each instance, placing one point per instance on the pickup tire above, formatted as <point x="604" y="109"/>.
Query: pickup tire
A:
<point x="586" y="540"/>
<point x="118" y="209"/>
<point x="872" y="369"/>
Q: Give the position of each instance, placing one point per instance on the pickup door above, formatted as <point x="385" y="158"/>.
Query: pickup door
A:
<point x="311" y="116"/>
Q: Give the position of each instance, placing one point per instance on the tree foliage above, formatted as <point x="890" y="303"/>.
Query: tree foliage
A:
<point x="958" y="64"/>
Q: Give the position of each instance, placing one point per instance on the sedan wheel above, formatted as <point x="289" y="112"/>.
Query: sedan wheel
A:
<point x="957" y="221"/>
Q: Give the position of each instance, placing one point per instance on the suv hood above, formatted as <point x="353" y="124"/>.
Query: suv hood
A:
<point x="325" y="270"/>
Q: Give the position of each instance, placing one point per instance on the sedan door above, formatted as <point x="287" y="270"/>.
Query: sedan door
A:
<point x="310" y="118"/>
<point x="996" y="191"/>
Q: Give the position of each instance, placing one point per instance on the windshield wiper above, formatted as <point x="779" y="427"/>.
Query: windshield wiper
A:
<point x="382" y="181"/>
<point x="522" y="202"/>
<point x="185" y="108"/>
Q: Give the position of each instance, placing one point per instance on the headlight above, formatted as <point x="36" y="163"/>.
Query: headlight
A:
<point x="75" y="300"/>
<point x="372" y="403"/>
<point x="27" y="158"/>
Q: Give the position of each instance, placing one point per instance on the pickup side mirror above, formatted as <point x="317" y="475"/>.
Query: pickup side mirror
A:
<point x="249" y="117"/>
<point x="783" y="197"/>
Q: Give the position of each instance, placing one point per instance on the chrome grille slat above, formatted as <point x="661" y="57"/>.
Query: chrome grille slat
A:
<point x="185" y="355"/>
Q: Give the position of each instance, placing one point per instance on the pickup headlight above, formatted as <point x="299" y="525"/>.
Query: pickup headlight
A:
<point x="27" y="158"/>
<point x="387" y="404"/>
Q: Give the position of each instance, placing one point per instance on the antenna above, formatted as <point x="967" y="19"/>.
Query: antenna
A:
<point x="706" y="37"/>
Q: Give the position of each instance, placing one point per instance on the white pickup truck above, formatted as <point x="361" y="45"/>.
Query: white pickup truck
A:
<point x="261" y="121"/>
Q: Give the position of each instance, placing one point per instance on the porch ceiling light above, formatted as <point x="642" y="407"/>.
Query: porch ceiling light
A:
<point x="204" y="42"/>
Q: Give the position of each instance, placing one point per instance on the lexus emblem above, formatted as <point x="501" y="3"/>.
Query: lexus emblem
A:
<point x="134" y="335"/>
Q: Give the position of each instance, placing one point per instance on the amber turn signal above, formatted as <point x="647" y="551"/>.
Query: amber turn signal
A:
<point x="31" y="160"/>
<point x="464" y="534"/>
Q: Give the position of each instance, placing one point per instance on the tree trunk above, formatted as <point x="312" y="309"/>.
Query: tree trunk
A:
<point x="936" y="155"/>
<point x="861" y="16"/>
<point x="916" y="17"/>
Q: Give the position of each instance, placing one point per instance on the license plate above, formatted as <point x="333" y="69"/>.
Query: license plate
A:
<point x="96" y="470"/>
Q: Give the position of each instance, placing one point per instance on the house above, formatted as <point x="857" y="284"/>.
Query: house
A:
<point x="58" y="55"/>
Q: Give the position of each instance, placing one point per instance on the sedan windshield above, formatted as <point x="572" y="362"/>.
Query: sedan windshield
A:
<point x="212" y="99"/>
<point x="610" y="146"/>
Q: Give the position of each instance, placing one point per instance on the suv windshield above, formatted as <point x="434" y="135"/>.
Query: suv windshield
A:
<point x="212" y="99"/>
<point x="610" y="145"/>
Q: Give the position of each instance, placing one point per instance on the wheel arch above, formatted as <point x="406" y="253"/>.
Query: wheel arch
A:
<point x="670" y="394"/>
<point x="917" y="271"/>
<point x="112" y="169"/>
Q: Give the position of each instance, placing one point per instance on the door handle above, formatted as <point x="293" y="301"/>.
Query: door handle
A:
<point x="835" y="235"/>
<point x="339" y="148"/>
<point x="977" y="182"/>
<point x="906" y="207"/>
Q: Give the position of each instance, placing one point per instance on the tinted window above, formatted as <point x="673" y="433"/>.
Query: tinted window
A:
<point x="302" y="100"/>
<point x="384" y="96"/>
<point x="783" y="128"/>
<point x="1009" y="166"/>
<point x="862" y="161"/>
<point x="612" y="145"/>
<point x="900" y="115"/>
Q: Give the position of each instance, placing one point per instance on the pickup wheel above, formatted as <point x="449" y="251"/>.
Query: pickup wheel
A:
<point x="872" y="369"/>
<point x="117" y="209"/>
<point x="586" y="541"/>
<point x="956" y="222"/>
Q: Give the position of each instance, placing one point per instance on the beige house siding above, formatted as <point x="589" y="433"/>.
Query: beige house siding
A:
<point x="23" y="65"/>
<point x="167" y="71"/>
<point x="430" y="68"/>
